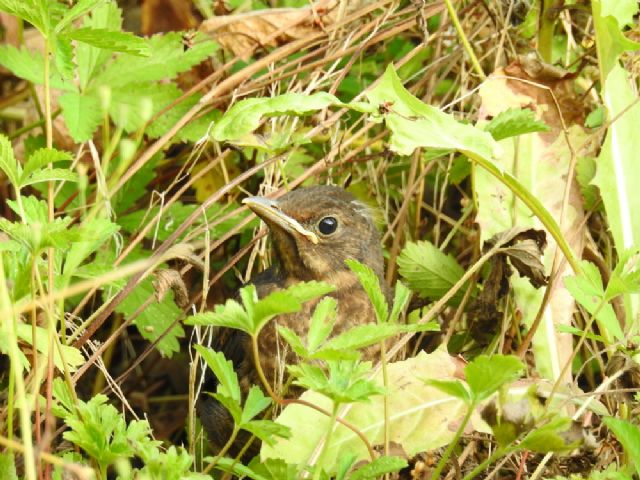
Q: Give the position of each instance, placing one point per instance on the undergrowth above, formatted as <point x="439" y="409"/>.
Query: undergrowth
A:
<point x="495" y="140"/>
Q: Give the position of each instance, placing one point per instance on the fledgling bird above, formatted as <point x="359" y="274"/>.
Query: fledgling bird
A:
<point x="313" y="231"/>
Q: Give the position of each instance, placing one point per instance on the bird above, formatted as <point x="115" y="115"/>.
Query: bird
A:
<point x="313" y="231"/>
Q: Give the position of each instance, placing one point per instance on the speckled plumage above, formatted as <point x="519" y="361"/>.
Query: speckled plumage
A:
<point x="300" y="259"/>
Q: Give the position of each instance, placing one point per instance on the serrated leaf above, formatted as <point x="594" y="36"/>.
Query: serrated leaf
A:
<point x="274" y="469"/>
<point x="8" y="163"/>
<point x="455" y="388"/>
<point x="82" y="114"/>
<point x="487" y="374"/>
<point x="245" y="116"/>
<point x="108" y="16"/>
<point x="230" y="315"/>
<point x="97" y="232"/>
<point x="167" y="58"/>
<point x="72" y="355"/>
<point x="36" y="13"/>
<point x="588" y="291"/>
<point x="255" y="403"/>
<point x="266" y="430"/>
<point x="294" y="341"/>
<point x="371" y="284"/>
<point x="322" y="321"/>
<point x="414" y="124"/>
<point x="625" y="278"/>
<point x="81" y="7"/>
<point x="29" y="65"/>
<point x="41" y="158"/>
<point x="53" y="174"/>
<point x="223" y="370"/>
<point x="64" y="57"/>
<point x="628" y="435"/>
<point x="113" y="40"/>
<point x="548" y="438"/>
<point x="379" y="467"/>
<point x="416" y="408"/>
<point x="156" y="318"/>
<point x="514" y="122"/>
<point x="401" y="298"/>
<point x="427" y="270"/>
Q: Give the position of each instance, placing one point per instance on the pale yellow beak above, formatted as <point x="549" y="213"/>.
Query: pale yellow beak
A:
<point x="270" y="212"/>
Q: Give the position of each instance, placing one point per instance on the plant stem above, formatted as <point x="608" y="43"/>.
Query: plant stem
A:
<point x="545" y="30"/>
<point x="261" y="375"/>
<point x="224" y="450"/>
<point x="385" y="400"/>
<point x="332" y="421"/>
<point x="454" y="443"/>
<point x="465" y="42"/>
<point x="14" y="358"/>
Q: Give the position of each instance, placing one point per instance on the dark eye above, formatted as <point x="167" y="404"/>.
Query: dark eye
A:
<point x="328" y="225"/>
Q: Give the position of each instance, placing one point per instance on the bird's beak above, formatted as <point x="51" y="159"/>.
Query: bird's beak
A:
<point x="270" y="212"/>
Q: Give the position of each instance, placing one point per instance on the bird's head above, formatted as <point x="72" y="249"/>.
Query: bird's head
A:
<point x="315" y="229"/>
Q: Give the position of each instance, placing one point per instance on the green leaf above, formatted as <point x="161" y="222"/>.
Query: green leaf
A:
<point x="223" y="370"/>
<point x="255" y="403"/>
<point x="585" y="171"/>
<point x="625" y="278"/>
<point x="61" y="174"/>
<point x="513" y="122"/>
<point x="266" y="430"/>
<point x="413" y="124"/>
<point x="322" y="322"/>
<point x="29" y="66"/>
<point x="8" y="163"/>
<point x="628" y="435"/>
<point x="455" y="388"/>
<point x="156" y="318"/>
<point x="346" y="381"/>
<point x="427" y="270"/>
<point x="81" y="7"/>
<point x="589" y="292"/>
<point x="167" y="58"/>
<point x="64" y="57"/>
<point x="400" y="300"/>
<point x="108" y="16"/>
<point x="548" y="438"/>
<point x="72" y="356"/>
<point x="305" y="291"/>
<point x="294" y="341"/>
<point x="32" y="12"/>
<point x="236" y="468"/>
<point x="82" y="114"/>
<point x="7" y="466"/>
<point x="245" y="116"/>
<point x="486" y="374"/>
<point x="274" y="469"/>
<point x="96" y="234"/>
<point x="379" y="467"/>
<point x="115" y="41"/>
<point x="41" y="158"/>
<point x="371" y="284"/>
<point x="230" y="315"/>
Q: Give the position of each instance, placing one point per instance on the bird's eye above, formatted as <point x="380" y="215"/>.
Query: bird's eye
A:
<point x="328" y="225"/>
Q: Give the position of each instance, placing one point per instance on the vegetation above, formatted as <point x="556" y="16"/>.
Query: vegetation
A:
<point x="497" y="141"/>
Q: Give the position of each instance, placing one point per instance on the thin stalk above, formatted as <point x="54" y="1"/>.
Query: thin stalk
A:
<point x="454" y="443"/>
<point x="545" y="30"/>
<point x="261" y="375"/>
<point x="21" y="400"/>
<point x="465" y="42"/>
<point x="224" y="450"/>
<point x="318" y="467"/>
<point x="385" y="381"/>
<point x="78" y="470"/>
